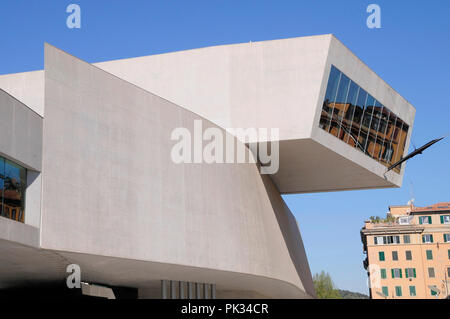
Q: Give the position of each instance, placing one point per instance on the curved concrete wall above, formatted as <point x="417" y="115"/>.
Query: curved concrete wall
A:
<point x="110" y="188"/>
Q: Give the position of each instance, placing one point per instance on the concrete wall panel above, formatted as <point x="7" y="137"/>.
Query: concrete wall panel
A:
<point x="111" y="189"/>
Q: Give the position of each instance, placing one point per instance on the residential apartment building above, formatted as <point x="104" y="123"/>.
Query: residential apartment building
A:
<point x="408" y="253"/>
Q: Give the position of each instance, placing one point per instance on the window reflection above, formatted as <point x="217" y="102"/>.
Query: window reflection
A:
<point x="339" y="105"/>
<point x="12" y="190"/>
<point x="330" y="96"/>
<point x="357" y="118"/>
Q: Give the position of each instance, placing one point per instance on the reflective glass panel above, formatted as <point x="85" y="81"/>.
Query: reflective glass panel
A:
<point x="339" y="105"/>
<point x="358" y="116"/>
<point x="358" y="119"/>
<point x="366" y="122"/>
<point x="375" y="143"/>
<point x="14" y="186"/>
<point x="396" y="141"/>
<point x="330" y="96"/>
<point x="384" y="123"/>
<point x="346" y="125"/>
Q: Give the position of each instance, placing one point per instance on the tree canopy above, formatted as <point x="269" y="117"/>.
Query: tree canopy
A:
<point x="325" y="288"/>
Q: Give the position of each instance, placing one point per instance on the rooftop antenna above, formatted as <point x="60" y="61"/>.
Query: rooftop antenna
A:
<point x="411" y="193"/>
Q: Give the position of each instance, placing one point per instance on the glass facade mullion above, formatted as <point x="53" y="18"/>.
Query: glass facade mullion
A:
<point x="369" y="116"/>
<point x="398" y="151"/>
<point x="350" y="128"/>
<point x="376" y="127"/>
<point x="391" y="147"/>
<point x="341" y="117"/>
<point x="333" y="103"/>
<point x="383" y="146"/>
<point x="361" y="147"/>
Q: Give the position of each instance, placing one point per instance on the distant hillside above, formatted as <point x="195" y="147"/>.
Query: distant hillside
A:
<point x="352" y="295"/>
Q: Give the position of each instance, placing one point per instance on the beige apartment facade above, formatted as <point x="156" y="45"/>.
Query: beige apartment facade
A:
<point x="408" y="253"/>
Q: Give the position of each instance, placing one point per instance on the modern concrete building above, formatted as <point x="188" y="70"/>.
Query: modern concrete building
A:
<point x="88" y="178"/>
<point x="408" y="254"/>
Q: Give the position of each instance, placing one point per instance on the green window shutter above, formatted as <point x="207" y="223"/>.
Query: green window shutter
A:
<point x="381" y="255"/>
<point x="442" y="219"/>
<point x="449" y="254"/>
<point x="383" y="273"/>
<point x="420" y="220"/>
<point x="429" y="255"/>
<point x="412" y="291"/>
<point x="423" y="238"/>
<point x="400" y="272"/>
<point x="392" y="272"/>
<point x="431" y="238"/>
<point x="414" y="270"/>
<point x="406" y="272"/>
<point x="429" y="220"/>
<point x="445" y="238"/>
<point x="385" y="291"/>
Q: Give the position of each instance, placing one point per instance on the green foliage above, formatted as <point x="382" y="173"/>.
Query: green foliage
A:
<point x="378" y="219"/>
<point x="324" y="286"/>
<point x="352" y="295"/>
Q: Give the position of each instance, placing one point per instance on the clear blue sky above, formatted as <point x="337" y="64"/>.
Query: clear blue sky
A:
<point x="410" y="52"/>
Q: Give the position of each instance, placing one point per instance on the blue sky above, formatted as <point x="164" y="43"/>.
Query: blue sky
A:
<point x="410" y="52"/>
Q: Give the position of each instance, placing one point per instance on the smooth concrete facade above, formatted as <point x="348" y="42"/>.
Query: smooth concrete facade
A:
<point x="270" y="84"/>
<point x="109" y="198"/>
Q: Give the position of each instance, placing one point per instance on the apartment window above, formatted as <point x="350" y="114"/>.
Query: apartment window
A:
<point x="404" y="220"/>
<point x="408" y="255"/>
<point x="396" y="272"/>
<point x="431" y="272"/>
<point x="410" y="272"/>
<point x="385" y="291"/>
<point x="412" y="291"/>
<point x="378" y="240"/>
<point x="433" y="291"/>
<point x="12" y="190"/>
<point x="393" y="239"/>
<point x="398" y="291"/>
<point x="448" y="254"/>
<point x="394" y="255"/>
<point x="383" y="273"/>
<point x="381" y="255"/>
<point x="425" y="220"/>
<point x="428" y="238"/>
<point x="445" y="219"/>
<point x="446" y="238"/>
<point x="448" y="272"/>
<point x="386" y="240"/>
<point x="429" y="254"/>
<point x="406" y="239"/>
<point x="359" y="120"/>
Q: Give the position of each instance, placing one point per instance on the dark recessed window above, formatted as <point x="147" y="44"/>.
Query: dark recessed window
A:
<point x="394" y="255"/>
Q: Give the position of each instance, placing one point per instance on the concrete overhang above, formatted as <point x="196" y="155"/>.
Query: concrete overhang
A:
<point x="277" y="84"/>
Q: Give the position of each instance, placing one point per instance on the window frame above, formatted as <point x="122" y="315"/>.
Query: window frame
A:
<point x="412" y="291"/>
